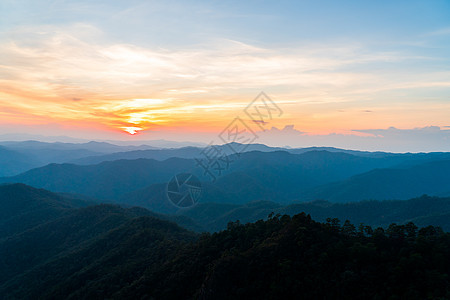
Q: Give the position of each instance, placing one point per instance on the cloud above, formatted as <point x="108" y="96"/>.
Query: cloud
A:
<point x="74" y="72"/>
<point x="68" y="60"/>
<point x="440" y="32"/>
<point x="425" y="139"/>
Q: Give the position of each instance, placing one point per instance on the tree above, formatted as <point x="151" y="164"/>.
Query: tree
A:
<point x="348" y="228"/>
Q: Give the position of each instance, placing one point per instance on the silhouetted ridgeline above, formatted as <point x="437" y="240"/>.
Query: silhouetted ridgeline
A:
<point x="280" y="258"/>
<point x="422" y="211"/>
<point x="105" y="251"/>
<point x="273" y="175"/>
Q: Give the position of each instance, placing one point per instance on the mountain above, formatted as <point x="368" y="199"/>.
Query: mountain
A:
<point x="24" y="207"/>
<point x="84" y="240"/>
<point x="37" y="226"/>
<point x="184" y="152"/>
<point x="424" y="210"/>
<point x="277" y="176"/>
<point x="17" y="138"/>
<point x="112" y="254"/>
<point x="14" y="162"/>
<point x="214" y="216"/>
<point x="161" y="143"/>
<point x="18" y="157"/>
<point x="157" y="154"/>
<point x="233" y="148"/>
<point x="91" y="148"/>
<point x="226" y="149"/>
<point x="62" y="249"/>
<point x="105" y="181"/>
<point x="154" y="197"/>
<point x="392" y="183"/>
<point x="58" y="235"/>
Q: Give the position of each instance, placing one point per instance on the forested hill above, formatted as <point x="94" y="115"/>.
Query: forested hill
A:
<point x="281" y="258"/>
<point x="422" y="211"/>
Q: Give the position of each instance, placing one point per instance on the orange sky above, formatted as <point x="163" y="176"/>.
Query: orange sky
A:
<point x="77" y="73"/>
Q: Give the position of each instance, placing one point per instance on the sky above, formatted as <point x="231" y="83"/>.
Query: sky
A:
<point x="369" y="75"/>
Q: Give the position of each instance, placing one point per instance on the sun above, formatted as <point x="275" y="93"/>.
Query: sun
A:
<point x="132" y="130"/>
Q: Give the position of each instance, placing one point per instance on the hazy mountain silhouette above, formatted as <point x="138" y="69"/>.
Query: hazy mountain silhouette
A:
<point x="23" y="207"/>
<point x="394" y="183"/>
<point x="423" y="210"/>
<point x="157" y="154"/>
<point x="106" y="181"/>
<point x="226" y="149"/>
<point x="14" y="162"/>
<point x="282" y="177"/>
<point x="277" y="176"/>
<point x="18" y="157"/>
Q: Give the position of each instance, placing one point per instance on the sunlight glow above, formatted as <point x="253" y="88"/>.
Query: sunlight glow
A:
<point x="132" y="130"/>
<point x="323" y="87"/>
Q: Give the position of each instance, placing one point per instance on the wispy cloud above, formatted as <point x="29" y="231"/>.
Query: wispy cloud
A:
<point x="74" y="72"/>
<point x="424" y="139"/>
<point x="439" y="32"/>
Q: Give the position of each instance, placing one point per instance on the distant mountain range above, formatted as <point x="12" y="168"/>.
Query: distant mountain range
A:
<point x="423" y="211"/>
<point x="19" y="156"/>
<point x="25" y="207"/>
<point x="15" y="162"/>
<point x="227" y="149"/>
<point x="159" y="143"/>
<point x="279" y="176"/>
<point x="431" y="178"/>
<point x="105" y="181"/>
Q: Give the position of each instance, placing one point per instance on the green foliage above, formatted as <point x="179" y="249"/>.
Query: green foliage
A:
<point x="423" y="211"/>
<point x="24" y="207"/>
<point x="283" y="257"/>
<point x="109" y="252"/>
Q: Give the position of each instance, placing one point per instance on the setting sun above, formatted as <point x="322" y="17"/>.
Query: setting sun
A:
<point x="132" y="130"/>
<point x="72" y="73"/>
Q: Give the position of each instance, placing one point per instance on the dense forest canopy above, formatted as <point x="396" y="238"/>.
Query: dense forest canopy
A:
<point x="283" y="257"/>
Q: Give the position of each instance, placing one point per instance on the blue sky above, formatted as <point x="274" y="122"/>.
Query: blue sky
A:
<point x="166" y="23"/>
<point x="336" y="67"/>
